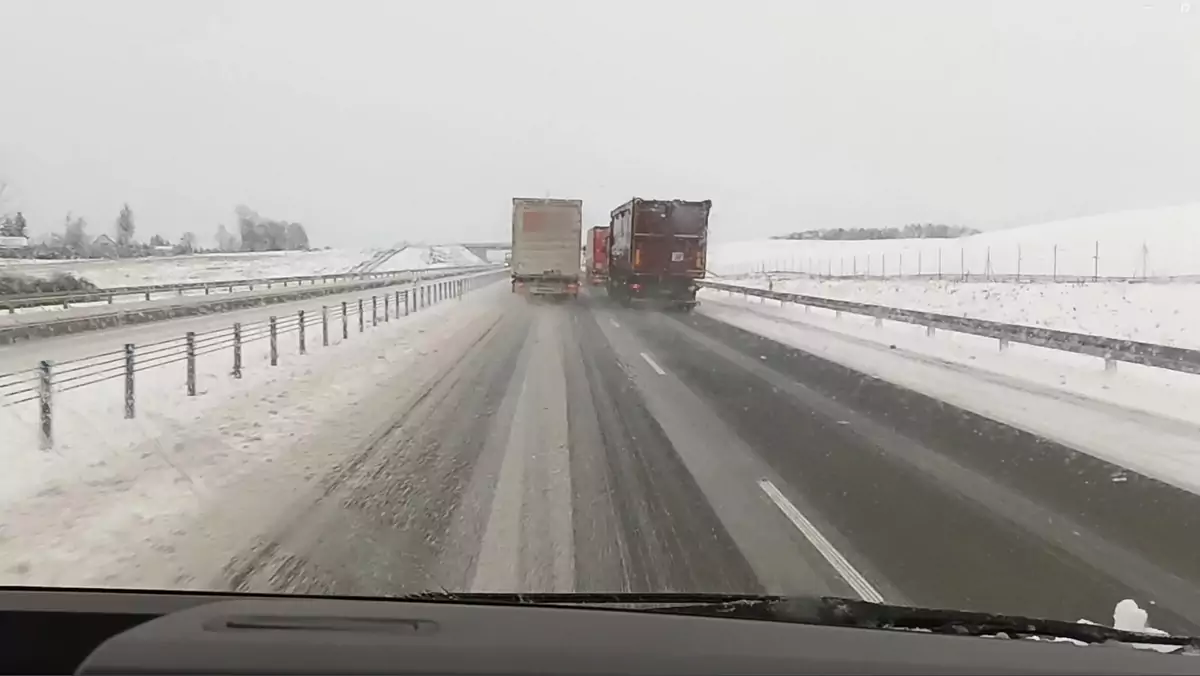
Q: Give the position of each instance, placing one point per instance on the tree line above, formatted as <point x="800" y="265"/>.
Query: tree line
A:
<point x="910" y="231"/>
<point x="254" y="233"/>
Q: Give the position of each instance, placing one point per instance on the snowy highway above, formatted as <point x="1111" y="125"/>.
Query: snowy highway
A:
<point x="590" y="447"/>
<point x="492" y="443"/>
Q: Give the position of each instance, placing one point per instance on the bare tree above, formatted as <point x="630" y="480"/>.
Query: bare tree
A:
<point x="75" y="235"/>
<point x="227" y="241"/>
<point x="187" y="243"/>
<point x="125" y="227"/>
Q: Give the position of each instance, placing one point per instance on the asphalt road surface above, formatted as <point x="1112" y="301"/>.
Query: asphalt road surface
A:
<point x="588" y="447"/>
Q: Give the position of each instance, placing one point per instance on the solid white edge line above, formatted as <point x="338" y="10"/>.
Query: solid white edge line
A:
<point x="658" y="369"/>
<point x="852" y="577"/>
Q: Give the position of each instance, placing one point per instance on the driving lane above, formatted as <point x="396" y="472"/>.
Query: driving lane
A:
<point x="588" y="447"/>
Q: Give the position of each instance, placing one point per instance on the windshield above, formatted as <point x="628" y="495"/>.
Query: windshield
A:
<point x="892" y="301"/>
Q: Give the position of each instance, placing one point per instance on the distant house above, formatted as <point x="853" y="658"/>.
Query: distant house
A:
<point x="14" y="242"/>
<point x="104" y="245"/>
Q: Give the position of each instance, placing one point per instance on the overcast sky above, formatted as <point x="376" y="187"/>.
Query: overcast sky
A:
<point x="372" y="122"/>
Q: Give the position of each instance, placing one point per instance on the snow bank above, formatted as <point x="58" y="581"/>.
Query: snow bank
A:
<point x="1161" y="242"/>
<point x="418" y="257"/>
<point x="1152" y="312"/>
<point x="165" y="499"/>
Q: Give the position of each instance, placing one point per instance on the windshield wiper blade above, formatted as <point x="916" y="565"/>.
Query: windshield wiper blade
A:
<point x="844" y="612"/>
<point x="832" y="611"/>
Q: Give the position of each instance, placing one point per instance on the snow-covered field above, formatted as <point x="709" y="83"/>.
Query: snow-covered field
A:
<point x="1137" y="417"/>
<point x="1164" y="313"/>
<point x="218" y="267"/>
<point x="1161" y="242"/>
<point x="108" y="475"/>
<point x="198" y="268"/>
<point x="422" y="257"/>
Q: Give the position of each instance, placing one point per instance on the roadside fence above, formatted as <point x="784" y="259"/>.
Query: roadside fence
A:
<point x="296" y="331"/>
<point x="943" y="260"/>
<point x="1111" y="350"/>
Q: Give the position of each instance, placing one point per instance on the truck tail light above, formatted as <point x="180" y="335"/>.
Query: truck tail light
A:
<point x="635" y="286"/>
<point x="637" y="257"/>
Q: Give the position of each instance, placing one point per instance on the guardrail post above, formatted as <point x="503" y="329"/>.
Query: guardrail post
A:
<point x="361" y="318"/>
<point x="878" y="320"/>
<point x="110" y="299"/>
<point x="274" y="343"/>
<point x="206" y="289"/>
<point x="303" y="346"/>
<point x="147" y="295"/>
<point x="47" y="418"/>
<point x="345" y="323"/>
<point x="407" y="301"/>
<point x="387" y="309"/>
<point x="397" y="305"/>
<point x="237" y="350"/>
<point x="1110" y="364"/>
<point x="129" y="408"/>
<point x="324" y="326"/>
<point x="374" y="311"/>
<point x="929" y="330"/>
<point x="191" y="363"/>
<point x="1003" y="344"/>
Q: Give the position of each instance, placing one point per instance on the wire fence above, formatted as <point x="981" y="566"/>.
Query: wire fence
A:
<point x="296" y="331"/>
<point x="1018" y="262"/>
<point x="67" y="299"/>
<point x="1111" y="350"/>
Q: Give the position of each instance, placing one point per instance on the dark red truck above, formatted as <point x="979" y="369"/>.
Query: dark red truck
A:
<point x="657" y="251"/>
<point x="596" y="250"/>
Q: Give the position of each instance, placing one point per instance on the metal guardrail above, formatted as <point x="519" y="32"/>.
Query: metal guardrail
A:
<point x="58" y="325"/>
<point x="1111" y="350"/>
<point x="14" y="302"/>
<point x="41" y="383"/>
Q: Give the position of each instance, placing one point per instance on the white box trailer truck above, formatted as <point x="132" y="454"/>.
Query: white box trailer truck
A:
<point x="546" y="239"/>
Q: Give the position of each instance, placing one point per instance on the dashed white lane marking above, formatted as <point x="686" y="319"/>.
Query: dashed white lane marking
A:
<point x="614" y="322"/>
<point x="851" y="575"/>
<point x="658" y="369"/>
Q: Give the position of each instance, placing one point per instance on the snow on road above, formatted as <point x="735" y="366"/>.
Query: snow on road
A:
<point x="193" y="477"/>
<point x="1152" y="312"/>
<point x="1137" y="417"/>
<point x="1160" y="242"/>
